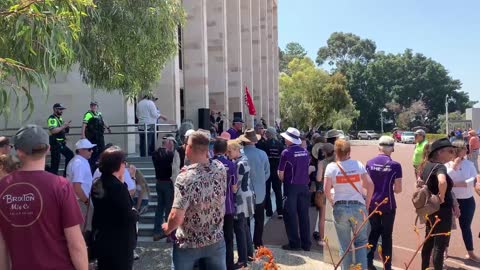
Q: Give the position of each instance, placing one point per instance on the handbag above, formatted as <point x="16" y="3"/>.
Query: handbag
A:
<point x="423" y="200"/>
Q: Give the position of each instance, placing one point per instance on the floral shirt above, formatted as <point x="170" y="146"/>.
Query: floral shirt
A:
<point x="200" y="190"/>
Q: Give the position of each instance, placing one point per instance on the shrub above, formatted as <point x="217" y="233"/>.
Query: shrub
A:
<point x="433" y="137"/>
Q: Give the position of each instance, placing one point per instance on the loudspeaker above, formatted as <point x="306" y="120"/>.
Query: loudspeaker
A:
<point x="204" y="118"/>
<point x="237" y="115"/>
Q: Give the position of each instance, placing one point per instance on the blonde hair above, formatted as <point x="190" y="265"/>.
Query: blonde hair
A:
<point x="8" y="164"/>
<point x="342" y="148"/>
<point x="234" y="145"/>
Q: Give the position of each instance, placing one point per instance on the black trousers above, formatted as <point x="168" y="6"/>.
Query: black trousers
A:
<point x="437" y="244"/>
<point x="276" y="184"/>
<point x="381" y="225"/>
<point x="259" y="216"/>
<point x="56" y="150"/>
<point x="228" y="235"/>
<point x="97" y="150"/>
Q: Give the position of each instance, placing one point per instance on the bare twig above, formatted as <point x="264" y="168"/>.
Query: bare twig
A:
<point x="20" y="8"/>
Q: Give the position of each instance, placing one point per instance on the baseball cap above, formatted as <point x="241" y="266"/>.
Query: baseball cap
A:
<point x="93" y="103"/>
<point x="59" y="106"/>
<point x="189" y="132"/>
<point x="30" y="137"/>
<point x="170" y="137"/>
<point x="84" y="144"/>
<point x="420" y="132"/>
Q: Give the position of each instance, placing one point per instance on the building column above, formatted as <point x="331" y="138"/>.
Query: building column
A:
<point x="264" y="60"/>
<point x="234" y="59"/>
<point x="168" y="91"/>
<point x="256" y="54"/>
<point x="247" y="58"/>
<point x="271" y="62"/>
<point x="217" y="56"/>
<point x="276" y="59"/>
<point x="195" y="55"/>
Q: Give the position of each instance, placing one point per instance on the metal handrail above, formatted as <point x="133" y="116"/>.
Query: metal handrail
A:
<point x="144" y="132"/>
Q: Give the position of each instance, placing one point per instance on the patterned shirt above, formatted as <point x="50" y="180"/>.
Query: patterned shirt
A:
<point x="200" y="190"/>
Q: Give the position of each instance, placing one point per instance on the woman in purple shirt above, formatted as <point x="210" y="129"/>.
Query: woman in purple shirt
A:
<point x="386" y="175"/>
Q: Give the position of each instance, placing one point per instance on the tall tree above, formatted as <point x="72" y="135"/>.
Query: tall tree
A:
<point x="292" y="50"/>
<point x="345" y="48"/>
<point x="127" y="43"/>
<point x="310" y="97"/>
<point x="37" y="38"/>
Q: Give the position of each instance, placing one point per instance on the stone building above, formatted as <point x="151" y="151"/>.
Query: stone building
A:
<point x="225" y="46"/>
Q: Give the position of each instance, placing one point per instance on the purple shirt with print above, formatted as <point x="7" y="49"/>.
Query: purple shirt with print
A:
<point x="230" y="208"/>
<point x="294" y="163"/>
<point x="233" y="133"/>
<point x="383" y="171"/>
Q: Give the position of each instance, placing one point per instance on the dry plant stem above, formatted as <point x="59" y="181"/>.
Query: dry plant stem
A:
<point x="355" y="233"/>
<point x="423" y="243"/>
<point x="329" y="251"/>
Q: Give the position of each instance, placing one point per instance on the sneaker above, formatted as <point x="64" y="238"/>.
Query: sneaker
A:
<point x="269" y="214"/>
<point x="288" y="247"/>
<point x="240" y="265"/>
<point x="135" y="255"/>
<point x="280" y="216"/>
<point x="158" y="237"/>
<point x="306" y="249"/>
<point x="316" y="236"/>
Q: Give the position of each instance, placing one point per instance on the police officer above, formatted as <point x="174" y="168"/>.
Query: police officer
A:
<point x="93" y="128"/>
<point x="58" y="128"/>
<point x="273" y="148"/>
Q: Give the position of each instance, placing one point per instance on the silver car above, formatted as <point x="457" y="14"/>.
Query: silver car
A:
<point x="368" y="135"/>
<point x="408" y="137"/>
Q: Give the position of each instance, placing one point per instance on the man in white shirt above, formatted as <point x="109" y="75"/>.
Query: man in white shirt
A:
<point x="80" y="174"/>
<point x="147" y="113"/>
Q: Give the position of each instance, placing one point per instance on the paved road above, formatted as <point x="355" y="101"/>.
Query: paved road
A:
<point x="405" y="240"/>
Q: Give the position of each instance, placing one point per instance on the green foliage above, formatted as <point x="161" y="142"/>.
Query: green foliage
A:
<point x="127" y="43"/>
<point x="441" y="121"/>
<point x="433" y="137"/>
<point x="292" y="50"/>
<point x="376" y="80"/>
<point x="310" y="97"/>
<point x="37" y="38"/>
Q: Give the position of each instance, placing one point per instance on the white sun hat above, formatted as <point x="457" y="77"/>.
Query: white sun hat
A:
<point x="292" y="135"/>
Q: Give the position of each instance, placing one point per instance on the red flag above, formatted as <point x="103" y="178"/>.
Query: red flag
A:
<point x="249" y="102"/>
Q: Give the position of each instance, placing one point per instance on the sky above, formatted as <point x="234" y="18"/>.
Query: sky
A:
<point x="447" y="31"/>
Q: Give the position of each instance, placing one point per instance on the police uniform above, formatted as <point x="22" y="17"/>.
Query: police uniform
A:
<point x="58" y="144"/>
<point x="273" y="149"/>
<point x="94" y="133"/>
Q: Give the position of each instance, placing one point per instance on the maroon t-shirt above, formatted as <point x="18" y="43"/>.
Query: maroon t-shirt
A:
<point x="35" y="208"/>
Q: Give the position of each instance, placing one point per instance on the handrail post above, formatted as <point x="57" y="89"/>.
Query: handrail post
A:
<point x="155" y="139"/>
<point x="145" y="130"/>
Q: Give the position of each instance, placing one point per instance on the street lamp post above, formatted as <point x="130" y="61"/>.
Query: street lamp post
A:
<point x="447" y="99"/>
<point x="381" y="117"/>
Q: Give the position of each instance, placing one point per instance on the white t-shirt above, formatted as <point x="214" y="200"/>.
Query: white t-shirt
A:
<point x="147" y="112"/>
<point x="137" y="193"/>
<point x="343" y="189"/>
<point x="466" y="171"/>
<point x="126" y="177"/>
<point x="78" y="171"/>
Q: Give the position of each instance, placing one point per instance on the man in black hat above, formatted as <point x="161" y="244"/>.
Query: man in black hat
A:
<point x="93" y="128"/>
<point x="58" y="128"/>
<point x="236" y="129"/>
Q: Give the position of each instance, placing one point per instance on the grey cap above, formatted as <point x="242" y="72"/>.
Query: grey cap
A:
<point x="332" y="133"/>
<point x="29" y="138"/>
<point x="420" y="132"/>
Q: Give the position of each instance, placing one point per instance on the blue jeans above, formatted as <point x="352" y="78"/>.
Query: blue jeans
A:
<point x="164" y="204"/>
<point x="467" y="211"/>
<point x="342" y="215"/>
<point x="213" y="257"/>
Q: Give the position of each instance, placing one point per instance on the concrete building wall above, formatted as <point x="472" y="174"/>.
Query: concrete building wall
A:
<point x="473" y="114"/>
<point x="225" y="46"/>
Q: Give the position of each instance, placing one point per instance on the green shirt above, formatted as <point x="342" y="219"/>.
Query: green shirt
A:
<point x="418" y="153"/>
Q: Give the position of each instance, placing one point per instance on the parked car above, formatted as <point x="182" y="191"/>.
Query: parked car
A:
<point x="353" y="134"/>
<point x="408" y="137"/>
<point x="368" y="135"/>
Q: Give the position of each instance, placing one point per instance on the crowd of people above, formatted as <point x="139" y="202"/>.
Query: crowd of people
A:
<point x="212" y="188"/>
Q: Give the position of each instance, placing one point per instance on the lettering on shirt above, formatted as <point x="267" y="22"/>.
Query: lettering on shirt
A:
<point x="381" y="168"/>
<point x="22" y="204"/>
<point x="343" y="180"/>
<point x="300" y="154"/>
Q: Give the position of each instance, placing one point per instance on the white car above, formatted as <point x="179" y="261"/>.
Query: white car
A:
<point x="408" y="137"/>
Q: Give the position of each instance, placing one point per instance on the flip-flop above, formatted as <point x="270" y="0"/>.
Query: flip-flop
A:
<point x="472" y="259"/>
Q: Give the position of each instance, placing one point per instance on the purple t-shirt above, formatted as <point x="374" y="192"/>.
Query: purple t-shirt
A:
<point x="233" y="133"/>
<point x="383" y="171"/>
<point x="294" y="163"/>
<point x="231" y="180"/>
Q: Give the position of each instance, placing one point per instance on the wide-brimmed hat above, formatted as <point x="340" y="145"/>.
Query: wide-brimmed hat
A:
<point x="439" y="144"/>
<point x="292" y="135"/>
<point x="250" y="136"/>
<point x="325" y="147"/>
<point x="332" y="133"/>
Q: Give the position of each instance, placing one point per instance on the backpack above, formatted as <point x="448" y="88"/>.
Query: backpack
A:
<point x="423" y="200"/>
